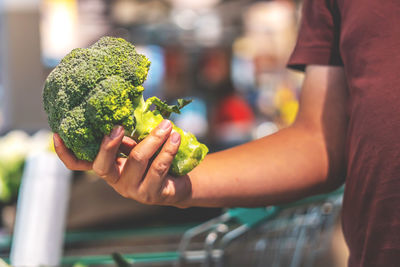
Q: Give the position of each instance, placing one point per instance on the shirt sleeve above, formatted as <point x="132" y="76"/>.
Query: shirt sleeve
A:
<point x="319" y="35"/>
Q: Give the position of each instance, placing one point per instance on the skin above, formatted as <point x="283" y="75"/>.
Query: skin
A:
<point x="304" y="159"/>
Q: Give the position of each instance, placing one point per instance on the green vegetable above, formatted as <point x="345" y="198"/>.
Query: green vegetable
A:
<point x="10" y="178"/>
<point x="96" y="88"/>
<point x="14" y="147"/>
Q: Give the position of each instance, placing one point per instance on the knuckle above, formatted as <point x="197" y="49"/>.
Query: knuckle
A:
<point x="146" y="198"/>
<point x="130" y="192"/>
<point x="170" y="150"/>
<point x="100" y="171"/>
<point x="120" y="190"/>
<point x="160" y="168"/>
<point x="138" y="157"/>
<point x="159" y="135"/>
<point x="168" y="190"/>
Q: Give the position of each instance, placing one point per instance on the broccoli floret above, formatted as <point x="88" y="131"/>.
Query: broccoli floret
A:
<point x="96" y="88"/>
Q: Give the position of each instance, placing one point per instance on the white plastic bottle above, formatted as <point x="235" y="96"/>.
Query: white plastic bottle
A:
<point x="41" y="212"/>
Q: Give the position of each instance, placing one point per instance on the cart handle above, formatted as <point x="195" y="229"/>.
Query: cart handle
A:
<point x="252" y="216"/>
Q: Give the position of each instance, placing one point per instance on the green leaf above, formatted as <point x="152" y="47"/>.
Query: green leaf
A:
<point x="166" y="109"/>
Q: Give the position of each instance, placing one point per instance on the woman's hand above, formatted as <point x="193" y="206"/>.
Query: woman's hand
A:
<point x="143" y="175"/>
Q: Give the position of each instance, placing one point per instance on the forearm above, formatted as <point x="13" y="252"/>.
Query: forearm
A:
<point x="303" y="159"/>
<point x="283" y="167"/>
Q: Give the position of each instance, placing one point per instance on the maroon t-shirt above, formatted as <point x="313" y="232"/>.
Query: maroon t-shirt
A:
<point x="363" y="36"/>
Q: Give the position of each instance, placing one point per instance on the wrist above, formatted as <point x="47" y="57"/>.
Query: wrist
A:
<point x="183" y="193"/>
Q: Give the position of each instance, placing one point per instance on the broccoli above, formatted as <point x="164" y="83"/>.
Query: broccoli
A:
<point x="96" y="88"/>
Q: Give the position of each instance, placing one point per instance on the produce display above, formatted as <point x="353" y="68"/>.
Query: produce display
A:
<point x="15" y="146"/>
<point x="93" y="89"/>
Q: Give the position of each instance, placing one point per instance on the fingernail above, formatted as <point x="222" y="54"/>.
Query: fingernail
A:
<point x="116" y="132"/>
<point x="165" y="124"/>
<point x="175" y="137"/>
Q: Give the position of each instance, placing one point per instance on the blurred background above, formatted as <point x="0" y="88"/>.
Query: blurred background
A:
<point x="229" y="56"/>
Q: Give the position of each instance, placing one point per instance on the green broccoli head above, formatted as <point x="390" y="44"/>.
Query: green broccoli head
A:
<point x="96" y="88"/>
<point x="92" y="90"/>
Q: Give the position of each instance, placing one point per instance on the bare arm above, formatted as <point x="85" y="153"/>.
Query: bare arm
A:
<point x="303" y="159"/>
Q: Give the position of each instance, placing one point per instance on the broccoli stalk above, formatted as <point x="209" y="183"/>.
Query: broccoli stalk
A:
<point x="190" y="150"/>
<point x="94" y="89"/>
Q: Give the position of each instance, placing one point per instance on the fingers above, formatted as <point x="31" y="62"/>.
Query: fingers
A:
<point x="133" y="177"/>
<point x="105" y="165"/>
<point x="139" y="157"/>
<point x="127" y="145"/>
<point x="154" y="181"/>
<point x="68" y="157"/>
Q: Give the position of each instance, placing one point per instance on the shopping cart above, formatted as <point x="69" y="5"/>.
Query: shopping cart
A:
<point x="292" y="235"/>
